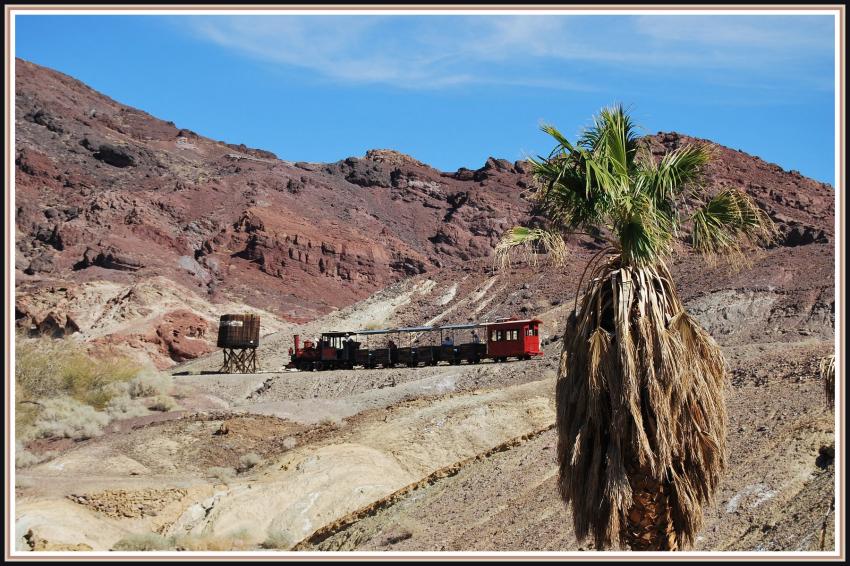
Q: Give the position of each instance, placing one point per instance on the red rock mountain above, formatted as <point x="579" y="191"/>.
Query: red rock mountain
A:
<point x="130" y="229"/>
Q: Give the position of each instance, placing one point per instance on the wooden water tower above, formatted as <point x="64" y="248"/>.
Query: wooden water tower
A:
<point x="239" y="336"/>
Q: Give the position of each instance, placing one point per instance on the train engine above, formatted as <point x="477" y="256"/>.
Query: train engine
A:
<point x="335" y="350"/>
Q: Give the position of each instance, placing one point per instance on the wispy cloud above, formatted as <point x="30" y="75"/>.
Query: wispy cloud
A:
<point x="437" y="52"/>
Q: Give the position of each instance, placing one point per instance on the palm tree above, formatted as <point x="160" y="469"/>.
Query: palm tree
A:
<point x="827" y="373"/>
<point x="641" y="415"/>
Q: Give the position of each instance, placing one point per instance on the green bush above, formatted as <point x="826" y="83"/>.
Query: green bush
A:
<point x="63" y="390"/>
<point x="49" y="368"/>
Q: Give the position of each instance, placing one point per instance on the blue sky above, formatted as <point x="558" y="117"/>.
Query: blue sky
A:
<point x="453" y="90"/>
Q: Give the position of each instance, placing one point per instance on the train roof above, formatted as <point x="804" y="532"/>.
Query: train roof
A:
<point x="466" y="326"/>
<point x="512" y="321"/>
<point x="407" y="329"/>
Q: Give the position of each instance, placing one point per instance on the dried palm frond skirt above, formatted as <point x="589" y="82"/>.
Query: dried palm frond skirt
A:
<point x="827" y="371"/>
<point x="641" y="415"/>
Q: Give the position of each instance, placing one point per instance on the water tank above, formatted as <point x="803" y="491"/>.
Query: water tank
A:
<point x="239" y="331"/>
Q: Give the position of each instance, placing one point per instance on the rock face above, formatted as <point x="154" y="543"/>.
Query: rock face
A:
<point x="108" y="193"/>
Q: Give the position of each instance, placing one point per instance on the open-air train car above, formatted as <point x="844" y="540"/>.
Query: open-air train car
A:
<point x="417" y="346"/>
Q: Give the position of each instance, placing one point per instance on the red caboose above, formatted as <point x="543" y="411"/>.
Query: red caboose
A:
<point x="510" y="337"/>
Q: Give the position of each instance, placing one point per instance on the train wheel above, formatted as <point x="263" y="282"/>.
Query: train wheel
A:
<point x="320" y="366"/>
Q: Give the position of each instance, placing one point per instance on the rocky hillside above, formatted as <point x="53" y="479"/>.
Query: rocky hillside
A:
<point x="134" y="231"/>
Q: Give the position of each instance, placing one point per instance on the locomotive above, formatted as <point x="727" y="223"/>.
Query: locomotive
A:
<point x="417" y="346"/>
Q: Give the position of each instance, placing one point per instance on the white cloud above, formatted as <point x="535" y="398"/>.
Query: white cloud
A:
<point x="433" y="52"/>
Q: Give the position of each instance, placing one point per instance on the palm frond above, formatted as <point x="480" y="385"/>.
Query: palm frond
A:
<point x="676" y="170"/>
<point x="530" y="243"/>
<point x="568" y="192"/>
<point x="727" y="221"/>
<point x="563" y="143"/>
<point x="614" y="135"/>
<point x="645" y="231"/>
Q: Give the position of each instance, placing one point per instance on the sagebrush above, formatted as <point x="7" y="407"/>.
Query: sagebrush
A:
<point x="64" y="390"/>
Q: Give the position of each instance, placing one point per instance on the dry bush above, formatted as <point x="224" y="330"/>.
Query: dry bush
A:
<point x="331" y="423"/>
<point x="237" y="540"/>
<point x="248" y="461"/>
<point x="24" y="457"/>
<point x="278" y="540"/>
<point x="144" y="541"/>
<point x="163" y="403"/>
<point x="124" y="407"/>
<point x="222" y="474"/>
<point x="149" y="383"/>
<point x="67" y="417"/>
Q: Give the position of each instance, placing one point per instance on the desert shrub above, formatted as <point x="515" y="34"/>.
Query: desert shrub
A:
<point x="222" y="474"/>
<point x="49" y="368"/>
<point x="248" y="461"/>
<point x="162" y="403"/>
<point x="67" y="417"/>
<point x="124" y="407"/>
<point x="38" y="368"/>
<point x="88" y="379"/>
<point x="63" y="390"/>
<point x="24" y="457"/>
<point x="26" y="412"/>
<point x="149" y="383"/>
<point x="278" y="540"/>
<point x="233" y="541"/>
<point x="144" y="541"/>
<point x="331" y="423"/>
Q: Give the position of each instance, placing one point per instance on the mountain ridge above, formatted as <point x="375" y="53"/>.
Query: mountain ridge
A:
<point x="112" y="198"/>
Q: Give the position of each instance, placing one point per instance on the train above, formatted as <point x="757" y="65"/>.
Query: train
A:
<point x="419" y="346"/>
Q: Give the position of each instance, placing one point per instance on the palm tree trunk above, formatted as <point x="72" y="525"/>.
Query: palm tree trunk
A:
<point x="649" y="521"/>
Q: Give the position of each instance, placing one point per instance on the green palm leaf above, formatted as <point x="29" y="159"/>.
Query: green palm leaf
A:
<point x="726" y="221"/>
